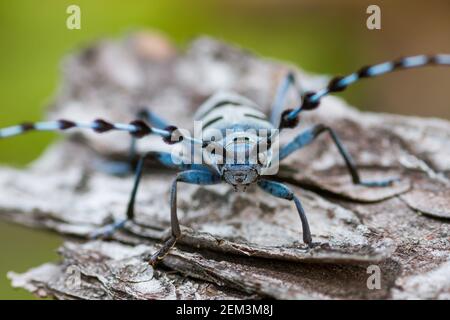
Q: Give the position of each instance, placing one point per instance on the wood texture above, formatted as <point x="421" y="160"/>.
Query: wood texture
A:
<point x="235" y="245"/>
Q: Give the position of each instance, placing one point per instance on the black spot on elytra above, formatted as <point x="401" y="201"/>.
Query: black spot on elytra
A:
<point x="254" y="116"/>
<point x="210" y="122"/>
<point x="220" y="104"/>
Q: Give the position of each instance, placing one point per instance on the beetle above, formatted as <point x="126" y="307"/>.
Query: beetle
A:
<point x="239" y="155"/>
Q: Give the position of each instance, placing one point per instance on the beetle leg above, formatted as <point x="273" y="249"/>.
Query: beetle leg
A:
<point x="279" y="102"/>
<point x="165" y="159"/>
<point x="311" y="134"/>
<point x="199" y="177"/>
<point x="279" y="190"/>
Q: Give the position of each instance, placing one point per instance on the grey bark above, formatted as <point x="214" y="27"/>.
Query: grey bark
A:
<point x="235" y="245"/>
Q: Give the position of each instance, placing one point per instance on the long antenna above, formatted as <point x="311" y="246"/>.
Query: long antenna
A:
<point x="311" y="100"/>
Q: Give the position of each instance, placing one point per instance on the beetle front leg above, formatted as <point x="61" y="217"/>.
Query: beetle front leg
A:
<point x="199" y="177"/>
<point x="109" y="229"/>
<point x="168" y="161"/>
<point x="279" y="190"/>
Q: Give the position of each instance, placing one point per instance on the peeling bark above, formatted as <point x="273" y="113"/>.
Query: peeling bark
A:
<point x="234" y="245"/>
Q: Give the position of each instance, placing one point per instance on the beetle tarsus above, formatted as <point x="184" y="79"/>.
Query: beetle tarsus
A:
<point x="163" y="251"/>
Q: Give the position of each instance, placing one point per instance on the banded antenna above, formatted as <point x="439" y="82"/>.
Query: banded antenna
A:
<point x="311" y="100"/>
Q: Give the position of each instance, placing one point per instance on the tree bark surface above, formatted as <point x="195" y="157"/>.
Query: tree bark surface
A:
<point x="234" y="245"/>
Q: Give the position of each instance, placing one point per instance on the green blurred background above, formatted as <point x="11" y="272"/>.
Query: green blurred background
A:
<point x="321" y="36"/>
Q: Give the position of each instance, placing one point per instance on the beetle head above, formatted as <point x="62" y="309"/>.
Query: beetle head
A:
<point x="240" y="176"/>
